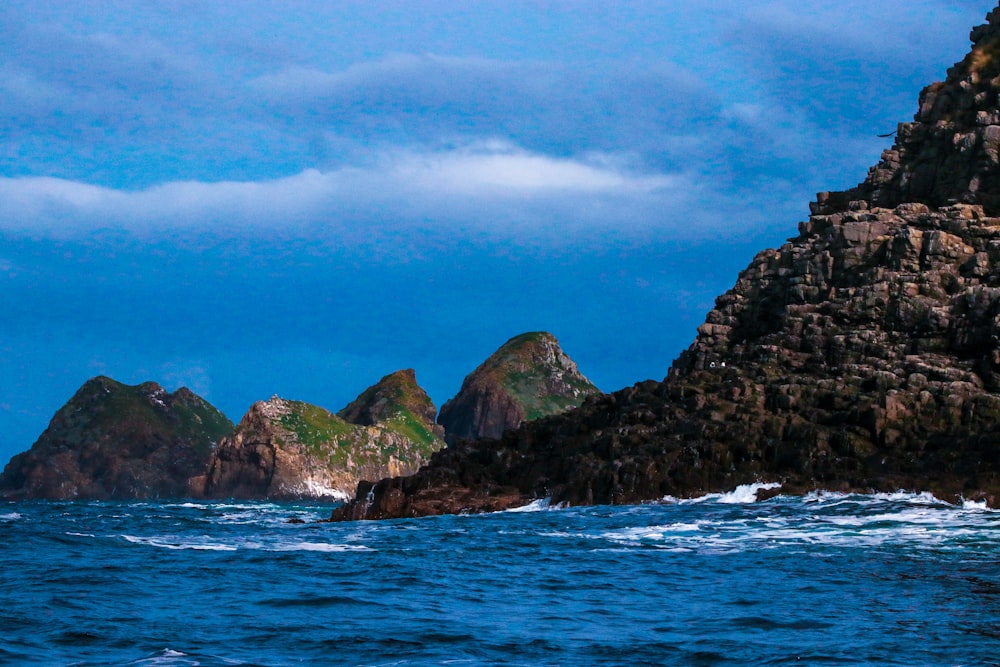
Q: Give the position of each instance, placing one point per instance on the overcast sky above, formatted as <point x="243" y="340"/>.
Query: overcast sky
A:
<point x="296" y="198"/>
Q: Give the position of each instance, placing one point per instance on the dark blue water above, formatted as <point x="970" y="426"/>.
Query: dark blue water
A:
<point x="827" y="580"/>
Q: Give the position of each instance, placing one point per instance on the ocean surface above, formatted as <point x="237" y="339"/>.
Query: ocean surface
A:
<point x="823" y="580"/>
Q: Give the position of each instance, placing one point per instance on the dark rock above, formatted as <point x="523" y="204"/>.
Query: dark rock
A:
<point x="117" y="441"/>
<point x="527" y="378"/>
<point x="862" y="355"/>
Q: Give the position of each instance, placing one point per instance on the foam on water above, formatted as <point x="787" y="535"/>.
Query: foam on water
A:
<point x="317" y="546"/>
<point x="314" y="488"/>
<point x="742" y="495"/>
<point x="540" y="505"/>
<point x="10" y="516"/>
<point x="895" y="579"/>
<point x="178" y="543"/>
<point x="915" y="521"/>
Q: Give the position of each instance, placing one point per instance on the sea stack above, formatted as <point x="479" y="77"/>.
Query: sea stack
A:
<point x="529" y="377"/>
<point x="863" y="354"/>
<point x="118" y="441"/>
<point x="285" y="449"/>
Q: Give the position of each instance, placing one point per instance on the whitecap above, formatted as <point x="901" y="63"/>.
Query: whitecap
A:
<point x="168" y="542"/>
<point x="194" y="506"/>
<point x="317" y="546"/>
<point x="12" y="516"/>
<point x="744" y="494"/>
<point x="166" y="657"/>
<point x="975" y="505"/>
<point x="540" y="505"/>
<point x="921" y="498"/>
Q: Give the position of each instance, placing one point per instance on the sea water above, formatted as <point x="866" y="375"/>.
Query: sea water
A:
<point x="827" y="579"/>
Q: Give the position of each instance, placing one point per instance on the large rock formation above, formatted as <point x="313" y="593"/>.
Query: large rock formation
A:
<point x="291" y="449"/>
<point x="117" y="441"/>
<point x="864" y="354"/>
<point x="397" y="397"/>
<point x="527" y="378"/>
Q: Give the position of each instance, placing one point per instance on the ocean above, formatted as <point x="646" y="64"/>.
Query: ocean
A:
<point x="828" y="579"/>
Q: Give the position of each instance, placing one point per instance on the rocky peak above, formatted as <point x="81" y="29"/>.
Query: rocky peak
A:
<point x="528" y="377"/>
<point x="395" y="393"/>
<point x="291" y="449"/>
<point x="950" y="152"/>
<point x="113" y="440"/>
<point x="861" y="355"/>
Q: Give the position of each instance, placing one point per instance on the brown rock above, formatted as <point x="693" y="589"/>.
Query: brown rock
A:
<point x="117" y="441"/>
<point x="529" y="377"/>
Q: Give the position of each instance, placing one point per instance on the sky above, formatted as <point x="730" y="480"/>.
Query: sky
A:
<point x="256" y="198"/>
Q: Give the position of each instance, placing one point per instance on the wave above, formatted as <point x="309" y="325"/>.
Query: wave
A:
<point x="744" y="494"/>
<point x="540" y="505"/>
<point x="317" y="546"/>
<point x="11" y="516"/>
<point x="176" y="543"/>
<point x="167" y="658"/>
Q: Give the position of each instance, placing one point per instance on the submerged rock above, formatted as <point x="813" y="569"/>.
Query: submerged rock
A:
<point x="529" y="377"/>
<point x="117" y="441"/>
<point x="864" y="354"/>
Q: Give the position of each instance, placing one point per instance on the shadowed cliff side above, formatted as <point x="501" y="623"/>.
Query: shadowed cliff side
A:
<point x="112" y="440"/>
<point x="861" y="355"/>
<point x="528" y="377"/>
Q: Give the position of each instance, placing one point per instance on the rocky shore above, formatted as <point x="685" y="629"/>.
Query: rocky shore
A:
<point x="861" y="355"/>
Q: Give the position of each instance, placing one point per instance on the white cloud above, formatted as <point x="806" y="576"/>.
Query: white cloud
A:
<point x="406" y="183"/>
<point x="496" y="167"/>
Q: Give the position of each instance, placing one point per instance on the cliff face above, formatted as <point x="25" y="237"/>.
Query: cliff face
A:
<point x="527" y="378"/>
<point x="950" y="153"/>
<point x="861" y="355"/>
<point x="117" y="441"/>
<point x="290" y="449"/>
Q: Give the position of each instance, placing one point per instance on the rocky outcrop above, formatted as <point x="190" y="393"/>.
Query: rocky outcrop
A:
<point x="864" y="354"/>
<point x="398" y="397"/>
<point x="290" y="449"/>
<point x="950" y="152"/>
<point x="117" y="441"/>
<point x="527" y="378"/>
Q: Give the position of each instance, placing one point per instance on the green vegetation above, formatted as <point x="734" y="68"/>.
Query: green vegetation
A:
<point x="314" y="427"/>
<point x="530" y="390"/>
<point x="414" y="429"/>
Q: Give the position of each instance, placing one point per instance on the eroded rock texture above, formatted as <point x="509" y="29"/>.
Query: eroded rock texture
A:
<point x="291" y="449"/>
<point x="861" y="355"/>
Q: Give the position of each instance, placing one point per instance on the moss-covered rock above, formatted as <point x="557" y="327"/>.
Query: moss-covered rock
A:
<point x="292" y="449"/>
<point x="529" y="377"/>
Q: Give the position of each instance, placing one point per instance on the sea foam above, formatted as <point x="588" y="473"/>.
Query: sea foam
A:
<point x="743" y="494"/>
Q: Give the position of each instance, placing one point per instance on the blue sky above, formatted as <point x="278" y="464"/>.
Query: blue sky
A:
<point x="257" y="198"/>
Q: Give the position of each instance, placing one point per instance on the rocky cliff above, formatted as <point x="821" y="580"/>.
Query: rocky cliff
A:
<point x="527" y="378"/>
<point x="396" y="397"/>
<point x="117" y="441"/>
<point x="291" y="449"/>
<point x="861" y="355"/>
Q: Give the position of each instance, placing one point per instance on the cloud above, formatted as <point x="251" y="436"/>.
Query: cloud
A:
<point x="406" y="184"/>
